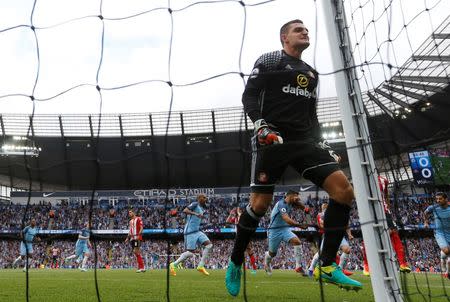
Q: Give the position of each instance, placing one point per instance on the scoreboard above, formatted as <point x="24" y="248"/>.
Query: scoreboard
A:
<point x="421" y="167"/>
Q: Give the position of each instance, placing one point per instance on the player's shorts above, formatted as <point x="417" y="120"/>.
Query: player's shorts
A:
<point x="26" y="248"/>
<point x="390" y="221"/>
<point x="276" y="237"/>
<point x="442" y="239"/>
<point x="344" y="242"/>
<point x="81" y="249"/>
<point x="191" y="241"/>
<point x="270" y="162"/>
<point x="135" y="243"/>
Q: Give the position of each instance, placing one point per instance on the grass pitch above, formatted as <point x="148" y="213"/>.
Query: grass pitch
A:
<point x="189" y="286"/>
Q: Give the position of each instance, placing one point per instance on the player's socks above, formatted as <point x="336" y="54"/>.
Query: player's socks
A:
<point x="298" y="256"/>
<point x="333" y="274"/>
<point x="177" y="263"/>
<point x="16" y="260"/>
<point x="365" y="262"/>
<point x="248" y="222"/>
<point x="26" y="265"/>
<point x="338" y="259"/>
<point x="201" y="265"/>
<point x="343" y="260"/>
<point x="205" y="254"/>
<point x="347" y="273"/>
<point x="366" y="271"/>
<point x="267" y="263"/>
<point x="253" y="262"/>
<point x="444" y="263"/>
<point x="398" y="247"/>
<point x="448" y="265"/>
<point x="183" y="257"/>
<point x="70" y="257"/>
<point x="314" y="262"/>
<point x="335" y="223"/>
<point x="140" y="261"/>
<point x="83" y="263"/>
<point x="400" y="252"/>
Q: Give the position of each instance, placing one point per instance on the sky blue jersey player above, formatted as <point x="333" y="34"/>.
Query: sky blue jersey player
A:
<point x="280" y="230"/>
<point x="441" y="214"/>
<point x="193" y="237"/>
<point x="26" y="244"/>
<point x="82" y="248"/>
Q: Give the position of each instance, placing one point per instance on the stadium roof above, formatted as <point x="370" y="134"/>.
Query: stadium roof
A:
<point x="141" y="124"/>
<point x="425" y="73"/>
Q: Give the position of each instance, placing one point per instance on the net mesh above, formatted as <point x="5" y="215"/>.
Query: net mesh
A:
<point x="401" y="56"/>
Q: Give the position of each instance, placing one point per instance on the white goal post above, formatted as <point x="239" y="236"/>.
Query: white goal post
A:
<point x="383" y="269"/>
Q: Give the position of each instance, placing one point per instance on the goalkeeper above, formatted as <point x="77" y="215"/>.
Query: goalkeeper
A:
<point x="280" y="98"/>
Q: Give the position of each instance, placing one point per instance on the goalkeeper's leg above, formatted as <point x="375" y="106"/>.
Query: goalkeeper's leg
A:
<point x="336" y="221"/>
<point x="248" y="222"/>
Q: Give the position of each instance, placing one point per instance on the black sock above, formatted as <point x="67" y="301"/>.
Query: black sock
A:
<point x="248" y="222"/>
<point x="335" y="224"/>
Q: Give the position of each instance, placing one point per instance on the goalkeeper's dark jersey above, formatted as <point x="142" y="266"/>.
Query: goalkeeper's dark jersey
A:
<point x="282" y="90"/>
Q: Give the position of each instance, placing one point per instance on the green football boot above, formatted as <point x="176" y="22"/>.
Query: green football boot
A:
<point x="333" y="274"/>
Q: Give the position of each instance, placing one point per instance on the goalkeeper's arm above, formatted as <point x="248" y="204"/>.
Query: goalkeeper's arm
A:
<point x="250" y="99"/>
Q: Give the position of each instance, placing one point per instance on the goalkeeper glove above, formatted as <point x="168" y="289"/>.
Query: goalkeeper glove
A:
<point x="265" y="135"/>
<point x="326" y="146"/>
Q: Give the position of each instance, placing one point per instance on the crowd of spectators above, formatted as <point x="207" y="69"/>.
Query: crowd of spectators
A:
<point x="155" y="213"/>
<point x="423" y="254"/>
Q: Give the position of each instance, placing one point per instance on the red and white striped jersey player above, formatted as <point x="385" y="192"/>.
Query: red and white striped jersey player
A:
<point x="135" y="238"/>
<point x="393" y="232"/>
